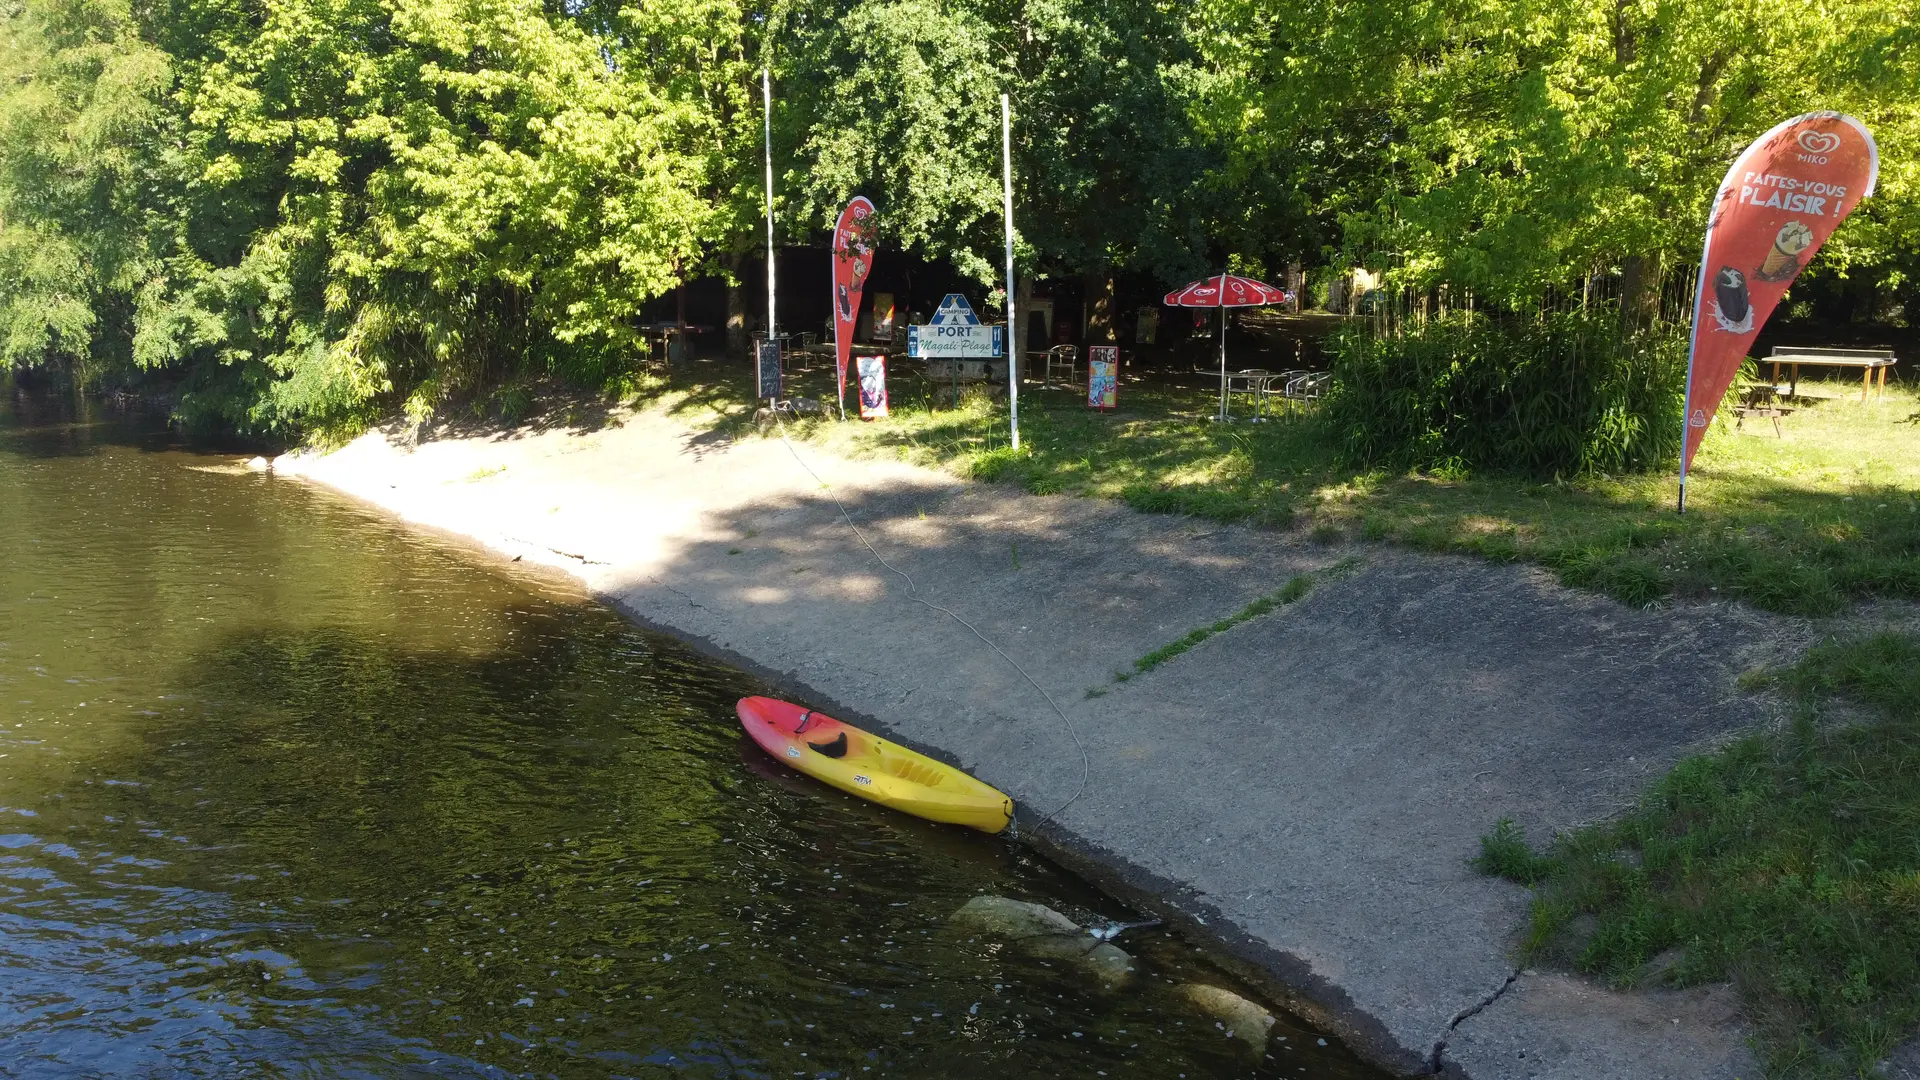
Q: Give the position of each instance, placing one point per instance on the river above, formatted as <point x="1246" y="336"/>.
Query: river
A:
<point x="289" y="790"/>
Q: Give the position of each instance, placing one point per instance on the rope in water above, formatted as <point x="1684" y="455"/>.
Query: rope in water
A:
<point x="913" y="594"/>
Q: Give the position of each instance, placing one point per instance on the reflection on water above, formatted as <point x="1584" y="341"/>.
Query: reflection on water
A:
<point x="285" y="790"/>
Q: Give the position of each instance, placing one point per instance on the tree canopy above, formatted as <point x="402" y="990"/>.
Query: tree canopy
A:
<point x="307" y="210"/>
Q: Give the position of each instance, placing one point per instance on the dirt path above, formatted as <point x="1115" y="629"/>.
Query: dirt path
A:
<point x="1306" y="788"/>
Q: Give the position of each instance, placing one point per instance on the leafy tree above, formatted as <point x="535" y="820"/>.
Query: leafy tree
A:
<point x="899" y="100"/>
<point x="1514" y="148"/>
<point x="304" y="211"/>
<point x="82" y="114"/>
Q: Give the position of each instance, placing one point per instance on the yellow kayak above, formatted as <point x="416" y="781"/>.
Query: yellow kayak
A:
<point x="863" y="764"/>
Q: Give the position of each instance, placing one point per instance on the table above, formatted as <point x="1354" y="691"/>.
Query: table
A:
<point x="1254" y="382"/>
<point x="1868" y="360"/>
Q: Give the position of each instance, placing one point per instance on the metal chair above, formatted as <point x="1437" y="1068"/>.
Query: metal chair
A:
<point x="1065" y="357"/>
<point x="1276" y="387"/>
<point x="1308" y="388"/>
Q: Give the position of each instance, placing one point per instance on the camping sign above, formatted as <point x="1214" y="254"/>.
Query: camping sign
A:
<point x="954" y="332"/>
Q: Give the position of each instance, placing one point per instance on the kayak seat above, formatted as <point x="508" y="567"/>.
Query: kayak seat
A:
<point x="837" y="748"/>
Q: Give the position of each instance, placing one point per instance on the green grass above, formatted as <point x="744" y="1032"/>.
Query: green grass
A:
<point x="1804" y="524"/>
<point x="1788" y="863"/>
<point x="1295" y="588"/>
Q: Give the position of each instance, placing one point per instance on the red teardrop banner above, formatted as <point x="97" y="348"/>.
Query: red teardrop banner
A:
<point x="1780" y="201"/>
<point x="852" y="258"/>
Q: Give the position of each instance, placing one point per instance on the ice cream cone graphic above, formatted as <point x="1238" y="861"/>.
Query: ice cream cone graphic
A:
<point x="1783" y="259"/>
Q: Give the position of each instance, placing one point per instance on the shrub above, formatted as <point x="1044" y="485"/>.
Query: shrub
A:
<point x="1562" y="394"/>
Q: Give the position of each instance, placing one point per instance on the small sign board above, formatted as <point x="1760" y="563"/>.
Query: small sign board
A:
<point x="1103" y="376"/>
<point x="977" y="342"/>
<point x="873" y="386"/>
<point x="955" y="332"/>
<point x="769" y="365"/>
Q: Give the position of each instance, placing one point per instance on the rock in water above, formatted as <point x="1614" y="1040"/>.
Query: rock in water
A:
<point x="259" y="464"/>
<point x="1245" y="1020"/>
<point x="1040" y="931"/>
<point x="1013" y="918"/>
<point x="1107" y="962"/>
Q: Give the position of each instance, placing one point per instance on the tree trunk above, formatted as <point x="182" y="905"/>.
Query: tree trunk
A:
<point x="1640" y="290"/>
<point x="1098" y="293"/>
<point x="737" y="340"/>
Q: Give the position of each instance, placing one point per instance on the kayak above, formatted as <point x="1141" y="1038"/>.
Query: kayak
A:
<point x="861" y="763"/>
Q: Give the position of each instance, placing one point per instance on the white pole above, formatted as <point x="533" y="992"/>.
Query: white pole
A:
<point x="1013" y="319"/>
<point x="1223" y="349"/>
<point x="766" y="99"/>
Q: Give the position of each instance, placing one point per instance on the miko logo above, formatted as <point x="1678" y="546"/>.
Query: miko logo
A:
<point x="1698" y="419"/>
<point x="1817" y="144"/>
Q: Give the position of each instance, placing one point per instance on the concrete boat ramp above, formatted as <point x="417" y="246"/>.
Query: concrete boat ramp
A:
<point x="1304" y="789"/>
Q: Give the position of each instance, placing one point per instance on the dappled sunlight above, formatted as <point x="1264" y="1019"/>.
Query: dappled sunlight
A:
<point x="1796" y="523"/>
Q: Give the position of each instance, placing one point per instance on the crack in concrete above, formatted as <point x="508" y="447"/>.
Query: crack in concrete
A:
<point x="1434" y="1060"/>
<point x="676" y="592"/>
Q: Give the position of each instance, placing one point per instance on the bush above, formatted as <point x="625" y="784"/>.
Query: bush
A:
<point x="1563" y="394"/>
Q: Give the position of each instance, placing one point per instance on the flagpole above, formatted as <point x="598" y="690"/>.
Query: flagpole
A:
<point x="1013" y="318"/>
<point x="766" y="100"/>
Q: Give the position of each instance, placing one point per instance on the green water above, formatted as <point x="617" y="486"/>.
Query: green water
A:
<point x="286" y="790"/>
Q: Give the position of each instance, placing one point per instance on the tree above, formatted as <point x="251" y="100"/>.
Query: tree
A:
<point x="82" y="118"/>
<point x="1520" y="147"/>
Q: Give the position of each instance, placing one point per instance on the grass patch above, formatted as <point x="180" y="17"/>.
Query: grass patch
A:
<point x="1296" y="587"/>
<point x="1788" y="863"/>
<point x="1805" y="525"/>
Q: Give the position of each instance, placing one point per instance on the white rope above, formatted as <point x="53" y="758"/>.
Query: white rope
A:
<point x="913" y="594"/>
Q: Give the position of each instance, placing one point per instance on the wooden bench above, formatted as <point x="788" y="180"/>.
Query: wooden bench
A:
<point x="1868" y="360"/>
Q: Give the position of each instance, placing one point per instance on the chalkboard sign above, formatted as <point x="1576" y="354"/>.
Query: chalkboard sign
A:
<point x="770" y="369"/>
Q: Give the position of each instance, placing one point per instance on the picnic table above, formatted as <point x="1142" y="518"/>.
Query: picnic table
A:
<point x="1868" y="360"/>
<point x="1758" y="403"/>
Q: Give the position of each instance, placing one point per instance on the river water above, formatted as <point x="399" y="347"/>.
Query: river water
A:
<point x="287" y="790"/>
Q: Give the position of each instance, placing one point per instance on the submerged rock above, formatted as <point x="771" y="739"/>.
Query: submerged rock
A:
<point x="1042" y="932"/>
<point x="1013" y="918"/>
<point x="1245" y="1020"/>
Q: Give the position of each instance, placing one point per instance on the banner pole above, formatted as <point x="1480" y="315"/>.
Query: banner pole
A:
<point x="1013" y="318"/>
<point x="766" y="100"/>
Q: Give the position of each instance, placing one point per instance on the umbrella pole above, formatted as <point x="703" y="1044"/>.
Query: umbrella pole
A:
<point x="1222" y="418"/>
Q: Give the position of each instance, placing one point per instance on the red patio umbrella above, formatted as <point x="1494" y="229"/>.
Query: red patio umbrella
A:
<point x="1224" y="291"/>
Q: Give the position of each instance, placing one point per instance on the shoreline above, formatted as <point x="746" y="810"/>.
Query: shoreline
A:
<point x="1302" y="791"/>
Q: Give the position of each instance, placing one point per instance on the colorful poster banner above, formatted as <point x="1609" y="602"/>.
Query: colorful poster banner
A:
<point x="1780" y="201"/>
<point x="883" y="317"/>
<point x="1103" y="376"/>
<point x="852" y="259"/>
<point x="873" y="387"/>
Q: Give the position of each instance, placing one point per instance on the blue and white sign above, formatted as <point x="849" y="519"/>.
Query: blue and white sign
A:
<point x="954" y="332"/>
<point x="955" y="311"/>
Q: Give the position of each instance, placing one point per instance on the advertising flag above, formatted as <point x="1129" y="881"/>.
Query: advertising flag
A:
<point x="1779" y="202"/>
<point x="852" y="258"/>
